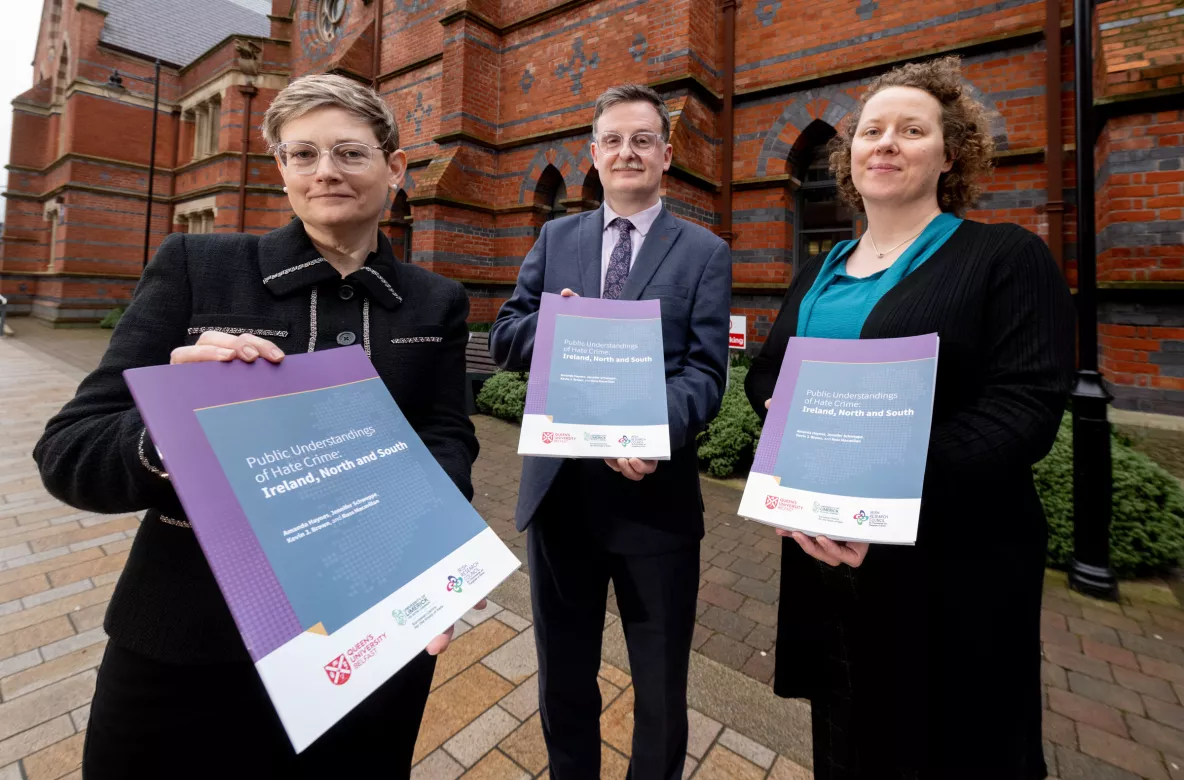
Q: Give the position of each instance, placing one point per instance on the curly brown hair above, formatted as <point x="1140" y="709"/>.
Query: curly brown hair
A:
<point x="964" y="127"/>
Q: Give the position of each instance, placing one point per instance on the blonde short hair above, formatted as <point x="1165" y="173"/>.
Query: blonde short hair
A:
<point x="309" y="93"/>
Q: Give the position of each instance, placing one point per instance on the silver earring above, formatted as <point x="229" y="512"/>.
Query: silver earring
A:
<point x="285" y="190"/>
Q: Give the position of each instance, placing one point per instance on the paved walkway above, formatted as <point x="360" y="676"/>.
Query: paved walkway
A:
<point x="1113" y="673"/>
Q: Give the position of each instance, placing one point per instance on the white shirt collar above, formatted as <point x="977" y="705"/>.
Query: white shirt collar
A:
<point x="642" y="220"/>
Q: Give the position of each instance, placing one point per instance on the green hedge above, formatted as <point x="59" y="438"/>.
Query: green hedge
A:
<point x="480" y="327"/>
<point x="728" y="444"/>
<point x="504" y="395"/>
<point x="1147" y="525"/>
<point x="112" y="318"/>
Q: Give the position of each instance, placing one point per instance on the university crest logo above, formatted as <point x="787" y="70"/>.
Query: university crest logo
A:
<point x="548" y="437"/>
<point x="455" y="583"/>
<point x="339" y="670"/>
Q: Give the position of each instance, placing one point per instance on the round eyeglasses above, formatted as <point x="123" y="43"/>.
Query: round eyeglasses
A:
<point x="303" y="158"/>
<point x="643" y="143"/>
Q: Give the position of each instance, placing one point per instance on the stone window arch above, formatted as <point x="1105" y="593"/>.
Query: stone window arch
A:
<point x="550" y="192"/>
<point x="821" y="220"/>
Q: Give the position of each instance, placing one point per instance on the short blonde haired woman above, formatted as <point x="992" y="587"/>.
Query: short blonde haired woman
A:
<point x="924" y="662"/>
<point x="177" y="695"/>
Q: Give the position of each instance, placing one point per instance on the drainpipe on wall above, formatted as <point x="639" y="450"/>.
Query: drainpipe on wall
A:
<point x="1054" y="156"/>
<point x="727" y="119"/>
<point x="377" y="44"/>
<point x="248" y="91"/>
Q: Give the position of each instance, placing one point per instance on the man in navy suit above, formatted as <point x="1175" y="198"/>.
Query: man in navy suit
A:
<point x="635" y="522"/>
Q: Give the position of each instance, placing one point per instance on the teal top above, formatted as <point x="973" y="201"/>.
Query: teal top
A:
<point x="837" y="304"/>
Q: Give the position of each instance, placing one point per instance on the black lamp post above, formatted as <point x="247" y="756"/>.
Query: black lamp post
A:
<point x="1090" y="571"/>
<point x="115" y="83"/>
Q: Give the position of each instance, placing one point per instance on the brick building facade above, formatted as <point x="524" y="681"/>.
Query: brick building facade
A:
<point x="494" y="100"/>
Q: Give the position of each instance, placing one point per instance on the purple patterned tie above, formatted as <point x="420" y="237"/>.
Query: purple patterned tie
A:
<point x="618" y="261"/>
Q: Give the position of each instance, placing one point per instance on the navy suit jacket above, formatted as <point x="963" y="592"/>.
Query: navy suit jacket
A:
<point x="689" y="269"/>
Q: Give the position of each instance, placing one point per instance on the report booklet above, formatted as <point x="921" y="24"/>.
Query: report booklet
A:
<point x="340" y="545"/>
<point x="597" y="385"/>
<point x="843" y="449"/>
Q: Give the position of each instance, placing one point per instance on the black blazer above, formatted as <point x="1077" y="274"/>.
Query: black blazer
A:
<point x="95" y="454"/>
<point x="943" y="638"/>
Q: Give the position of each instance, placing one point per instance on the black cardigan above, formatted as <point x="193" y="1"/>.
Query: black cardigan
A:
<point x="943" y="638"/>
<point x="95" y="455"/>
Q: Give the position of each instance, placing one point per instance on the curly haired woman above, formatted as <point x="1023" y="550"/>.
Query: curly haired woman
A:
<point x="924" y="662"/>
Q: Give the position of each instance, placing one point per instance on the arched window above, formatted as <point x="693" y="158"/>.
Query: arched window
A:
<point x="821" y="219"/>
<point x="593" y="191"/>
<point x="550" y="192"/>
<point x="401" y="227"/>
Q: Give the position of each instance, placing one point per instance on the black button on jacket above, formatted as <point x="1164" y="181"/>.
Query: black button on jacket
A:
<point x="95" y="455"/>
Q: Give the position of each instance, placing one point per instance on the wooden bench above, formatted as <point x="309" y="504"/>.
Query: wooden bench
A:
<point x="479" y="366"/>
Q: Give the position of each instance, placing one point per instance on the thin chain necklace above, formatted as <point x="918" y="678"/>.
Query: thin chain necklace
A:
<point x="880" y="254"/>
<point x="876" y="249"/>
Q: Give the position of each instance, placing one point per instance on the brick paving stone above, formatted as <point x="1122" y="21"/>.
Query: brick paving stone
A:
<point x="1121" y="622"/>
<point x="723" y="560"/>
<point x="455" y="705"/>
<point x="614" y="675"/>
<point x="727" y="651"/>
<point x="745" y="747"/>
<point x="469" y="649"/>
<point x="438" y="766"/>
<point x="728" y="532"/>
<point x="72" y="643"/>
<point x="608" y="693"/>
<point x="19" y="663"/>
<point x="91" y="568"/>
<point x="1118" y="656"/>
<point x="784" y="769"/>
<point x="1072" y="765"/>
<point x="11" y="575"/>
<point x="513" y="621"/>
<point x="516" y="660"/>
<point x="51" y="671"/>
<point x="760" y="665"/>
<point x="37" y="707"/>
<point x="721" y="576"/>
<point x="720" y="596"/>
<point x="1059" y="729"/>
<point x="1054" y="603"/>
<point x="723" y="764"/>
<point x="1122" y="753"/>
<point x="1084" y="710"/>
<point x="1053" y="620"/>
<point x="496" y="766"/>
<point x="1078" y="662"/>
<point x="759" y="612"/>
<point x="1095" y="631"/>
<point x="1151" y="686"/>
<point x="616" y="722"/>
<point x="523" y="701"/>
<point x="1051" y="674"/>
<point x="1156" y="735"/>
<point x="55" y="760"/>
<point x="767" y="592"/>
<point x="84" y="620"/>
<point x="54" y="594"/>
<point x="727" y="622"/>
<point x="703" y="731"/>
<point x="80" y="717"/>
<point x="1162" y="712"/>
<point x="756" y="571"/>
<point x="36" y="738"/>
<point x="482" y="735"/>
<point x="1107" y="693"/>
<point x="699" y="635"/>
<point x="1065" y="639"/>
<point x="761" y="638"/>
<point x="34" y="636"/>
<point x="1164" y="669"/>
<point x="526" y="745"/>
<point x="1154" y="648"/>
<point x="749" y="553"/>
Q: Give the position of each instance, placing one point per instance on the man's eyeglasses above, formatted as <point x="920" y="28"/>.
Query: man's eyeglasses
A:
<point x="303" y="158"/>
<point x="643" y="143"/>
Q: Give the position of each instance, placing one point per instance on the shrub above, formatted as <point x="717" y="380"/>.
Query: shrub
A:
<point x="1147" y="524"/>
<point x="480" y="327"/>
<point x="504" y="395"/>
<point x="728" y="444"/>
<point x="112" y="318"/>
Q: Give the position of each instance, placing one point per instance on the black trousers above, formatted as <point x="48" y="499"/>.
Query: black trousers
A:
<point x="569" y="576"/>
<point x="154" y="720"/>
